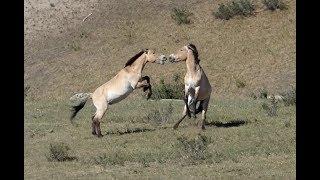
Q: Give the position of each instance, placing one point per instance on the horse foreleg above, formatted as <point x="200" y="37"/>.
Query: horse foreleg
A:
<point x="144" y="83"/>
<point x="184" y="114"/>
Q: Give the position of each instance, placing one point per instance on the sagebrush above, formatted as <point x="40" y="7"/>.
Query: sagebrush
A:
<point x="274" y="4"/>
<point x="163" y="90"/>
<point x="235" y="8"/>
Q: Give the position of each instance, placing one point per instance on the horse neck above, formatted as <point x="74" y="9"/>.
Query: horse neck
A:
<point x="138" y="65"/>
<point x="192" y="66"/>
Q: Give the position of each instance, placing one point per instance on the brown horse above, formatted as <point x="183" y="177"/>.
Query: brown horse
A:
<point x="197" y="86"/>
<point x="119" y="87"/>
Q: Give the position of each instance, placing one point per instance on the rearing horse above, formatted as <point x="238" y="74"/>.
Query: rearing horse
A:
<point x="197" y="86"/>
<point x="119" y="87"/>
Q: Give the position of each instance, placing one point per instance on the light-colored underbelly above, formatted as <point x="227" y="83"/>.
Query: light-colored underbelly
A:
<point x="116" y="95"/>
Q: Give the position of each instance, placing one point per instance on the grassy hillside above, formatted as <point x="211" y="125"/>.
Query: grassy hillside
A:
<point x="67" y="55"/>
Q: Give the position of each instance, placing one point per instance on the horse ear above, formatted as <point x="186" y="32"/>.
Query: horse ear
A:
<point x="146" y="50"/>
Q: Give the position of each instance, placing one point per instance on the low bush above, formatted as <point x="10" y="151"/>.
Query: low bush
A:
<point x="59" y="152"/>
<point x="274" y="4"/>
<point x="234" y="8"/>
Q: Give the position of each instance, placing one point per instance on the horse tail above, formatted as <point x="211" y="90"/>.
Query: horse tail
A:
<point x="77" y="103"/>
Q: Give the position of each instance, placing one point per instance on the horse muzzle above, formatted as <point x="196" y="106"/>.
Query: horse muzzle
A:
<point x="172" y="58"/>
<point x="161" y="60"/>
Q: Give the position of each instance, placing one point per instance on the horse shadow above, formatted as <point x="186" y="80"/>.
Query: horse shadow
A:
<point x="232" y="123"/>
<point x="129" y="131"/>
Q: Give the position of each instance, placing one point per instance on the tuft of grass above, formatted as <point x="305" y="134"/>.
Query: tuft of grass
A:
<point x="181" y="16"/>
<point x="253" y="95"/>
<point x="270" y="108"/>
<point x="26" y="90"/>
<point x="74" y="46"/>
<point x="104" y="159"/>
<point x="194" y="150"/>
<point x="234" y="8"/>
<point x="160" y="115"/>
<point x="289" y="97"/>
<point x="240" y="84"/>
<point x="165" y="90"/>
<point x="275" y="4"/>
<point x="59" y="152"/>
<point x="263" y="93"/>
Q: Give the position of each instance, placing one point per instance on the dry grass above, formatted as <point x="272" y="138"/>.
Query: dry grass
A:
<point x="240" y="140"/>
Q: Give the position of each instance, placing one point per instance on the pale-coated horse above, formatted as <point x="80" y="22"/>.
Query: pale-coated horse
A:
<point x="197" y="86"/>
<point x="118" y="88"/>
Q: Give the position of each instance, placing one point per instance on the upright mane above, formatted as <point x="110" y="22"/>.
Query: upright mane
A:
<point x="134" y="58"/>
<point x="195" y="52"/>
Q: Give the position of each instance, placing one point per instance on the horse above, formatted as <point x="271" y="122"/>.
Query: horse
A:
<point x="197" y="85"/>
<point x="118" y="88"/>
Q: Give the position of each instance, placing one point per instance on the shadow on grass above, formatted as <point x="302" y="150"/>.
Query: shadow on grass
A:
<point x="232" y="123"/>
<point x="131" y="130"/>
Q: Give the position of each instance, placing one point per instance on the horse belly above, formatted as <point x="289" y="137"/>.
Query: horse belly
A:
<point x="118" y="95"/>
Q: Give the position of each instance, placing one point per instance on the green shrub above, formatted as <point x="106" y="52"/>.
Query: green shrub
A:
<point x="165" y="90"/>
<point x="194" y="150"/>
<point x="234" y="8"/>
<point x="59" y="152"/>
<point x="274" y="4"/>
<point x="181" y="16"/>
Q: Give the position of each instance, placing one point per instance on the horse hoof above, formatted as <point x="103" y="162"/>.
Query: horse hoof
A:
<point x="93" y="133"/>
<point x="175" y="126"/>
<point x="100" y="135"/>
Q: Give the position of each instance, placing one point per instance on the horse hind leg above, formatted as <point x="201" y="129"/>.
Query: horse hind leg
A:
<point x="96" y="119"/>
<point x="93" y="125"/>
<point x="192" y="104"/>
<point x="205" y="103"/>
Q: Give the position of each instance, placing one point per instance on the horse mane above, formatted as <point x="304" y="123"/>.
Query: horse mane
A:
<point x="135" y="57"/>
<point x="195" y="53"/>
